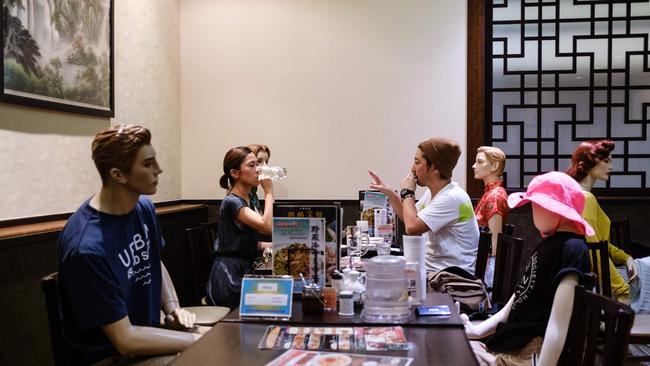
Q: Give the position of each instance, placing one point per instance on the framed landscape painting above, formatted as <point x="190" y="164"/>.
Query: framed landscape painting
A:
<point x="58" y="54"/>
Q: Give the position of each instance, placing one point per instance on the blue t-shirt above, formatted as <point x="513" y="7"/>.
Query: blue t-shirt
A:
<point x="235" y="251"/>
<point x="235" y="239"/>
<point x="109" y="267"/>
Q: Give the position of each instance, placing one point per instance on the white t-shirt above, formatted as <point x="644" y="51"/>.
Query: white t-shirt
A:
<point x="452" y="239"/>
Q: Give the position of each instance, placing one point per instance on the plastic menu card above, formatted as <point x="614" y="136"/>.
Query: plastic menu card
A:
<point x="266" y="297"/>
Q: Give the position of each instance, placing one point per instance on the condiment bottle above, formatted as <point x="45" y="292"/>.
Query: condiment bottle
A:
<point x="337" y="281"/>
<point x="312" y="299"/>
<point x="346" y="303"/>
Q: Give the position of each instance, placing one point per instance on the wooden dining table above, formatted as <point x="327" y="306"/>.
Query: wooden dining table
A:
<point x="431" y="340"/>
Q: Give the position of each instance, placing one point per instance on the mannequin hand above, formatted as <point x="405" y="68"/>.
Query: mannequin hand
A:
<point x="408" y="182"/>
<point x="378" y="184"/>
<point x="632" y="270"/>
<point x="470" y="329"/>
<point x="180" y="319"/>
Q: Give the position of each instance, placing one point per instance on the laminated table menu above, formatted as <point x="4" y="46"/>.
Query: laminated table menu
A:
<point x="390" y="338"/>
<point x="300" y="357"/>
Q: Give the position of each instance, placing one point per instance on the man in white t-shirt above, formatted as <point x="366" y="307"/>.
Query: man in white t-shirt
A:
<point x="444" y="212"/>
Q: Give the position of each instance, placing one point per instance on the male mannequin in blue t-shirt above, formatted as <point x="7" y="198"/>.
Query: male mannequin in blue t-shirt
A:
<point x="112" y="282"/>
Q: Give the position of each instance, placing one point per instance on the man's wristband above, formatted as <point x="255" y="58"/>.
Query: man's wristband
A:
<point x="406" y="193"/>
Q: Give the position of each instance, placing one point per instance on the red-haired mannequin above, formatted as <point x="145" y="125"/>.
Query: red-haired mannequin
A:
<point x="591" y="162"/>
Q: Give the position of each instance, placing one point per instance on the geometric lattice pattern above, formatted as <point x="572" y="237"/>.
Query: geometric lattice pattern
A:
<point x="566" y="71"/>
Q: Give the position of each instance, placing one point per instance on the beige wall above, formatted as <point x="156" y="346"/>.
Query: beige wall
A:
<point x="333" y="87"/>
<point x="45" y="155"/>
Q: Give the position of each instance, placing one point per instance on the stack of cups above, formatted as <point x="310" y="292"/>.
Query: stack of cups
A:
<point x="414" y="253"/>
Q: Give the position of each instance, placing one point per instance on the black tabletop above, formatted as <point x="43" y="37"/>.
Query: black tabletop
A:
<point x="332" y="317"/>
<point x="237" y="344"/>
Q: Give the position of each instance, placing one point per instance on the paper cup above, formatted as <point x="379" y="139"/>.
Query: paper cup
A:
<point x="413" y="248"/>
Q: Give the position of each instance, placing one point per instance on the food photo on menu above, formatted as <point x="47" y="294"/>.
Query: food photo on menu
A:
<point x="299" y="247"/>
<point x="313" y="358"/>
<point x="279" y="337"/>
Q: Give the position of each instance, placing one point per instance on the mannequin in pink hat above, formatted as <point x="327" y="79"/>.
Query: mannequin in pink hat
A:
<point x="535" y="319"/>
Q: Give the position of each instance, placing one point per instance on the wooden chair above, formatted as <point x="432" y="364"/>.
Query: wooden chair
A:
<point x="484" y="248"/>
<point x="600" y="266"/>
<point x="506" y="267"/>
<point x="508" y="229"/>
<point x="620" y="236"/>
<point x="63" y="354"/>
<point x="200" y="241"/>
<point x="587" y="337"/>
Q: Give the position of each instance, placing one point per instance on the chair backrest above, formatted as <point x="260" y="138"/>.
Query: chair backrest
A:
<point x="619" y="234"/>
<point x="484" y="246"/>
<point x="508" y="229"/>
<point x="63" y="354"/>
<point x="586" y="338"/>
<point x="200" y="240"/>
<point x="599" y="256"/>
<point x="506" y="267"/>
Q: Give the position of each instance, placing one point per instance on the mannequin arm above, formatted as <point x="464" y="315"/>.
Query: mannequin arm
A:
<point x="495" y="223"/>
<point x="133" y="340"/>
<point x="489" y="326"/>
<point x="175" y="317"/>
<point x="558" y="323"/>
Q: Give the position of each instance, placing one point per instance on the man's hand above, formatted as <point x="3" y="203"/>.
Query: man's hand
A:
<point x="378" y="184"/>
<point x="408" y="182"/>
<point x="180" y="319"/>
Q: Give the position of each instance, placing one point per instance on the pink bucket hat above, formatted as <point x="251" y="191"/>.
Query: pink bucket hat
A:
<point x="558" y="193"/>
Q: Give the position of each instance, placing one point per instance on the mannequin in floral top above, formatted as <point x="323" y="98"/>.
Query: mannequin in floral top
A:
<point x="492" y="210"/>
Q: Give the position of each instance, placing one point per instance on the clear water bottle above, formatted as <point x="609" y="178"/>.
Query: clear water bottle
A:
<point x="274" y="173"/>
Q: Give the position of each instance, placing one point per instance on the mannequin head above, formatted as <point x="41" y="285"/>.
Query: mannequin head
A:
<point x="117" y="148"/>
<point x="592" y="158"/>
<point x="490" y="162"/>
<point x="262" y="153"/>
